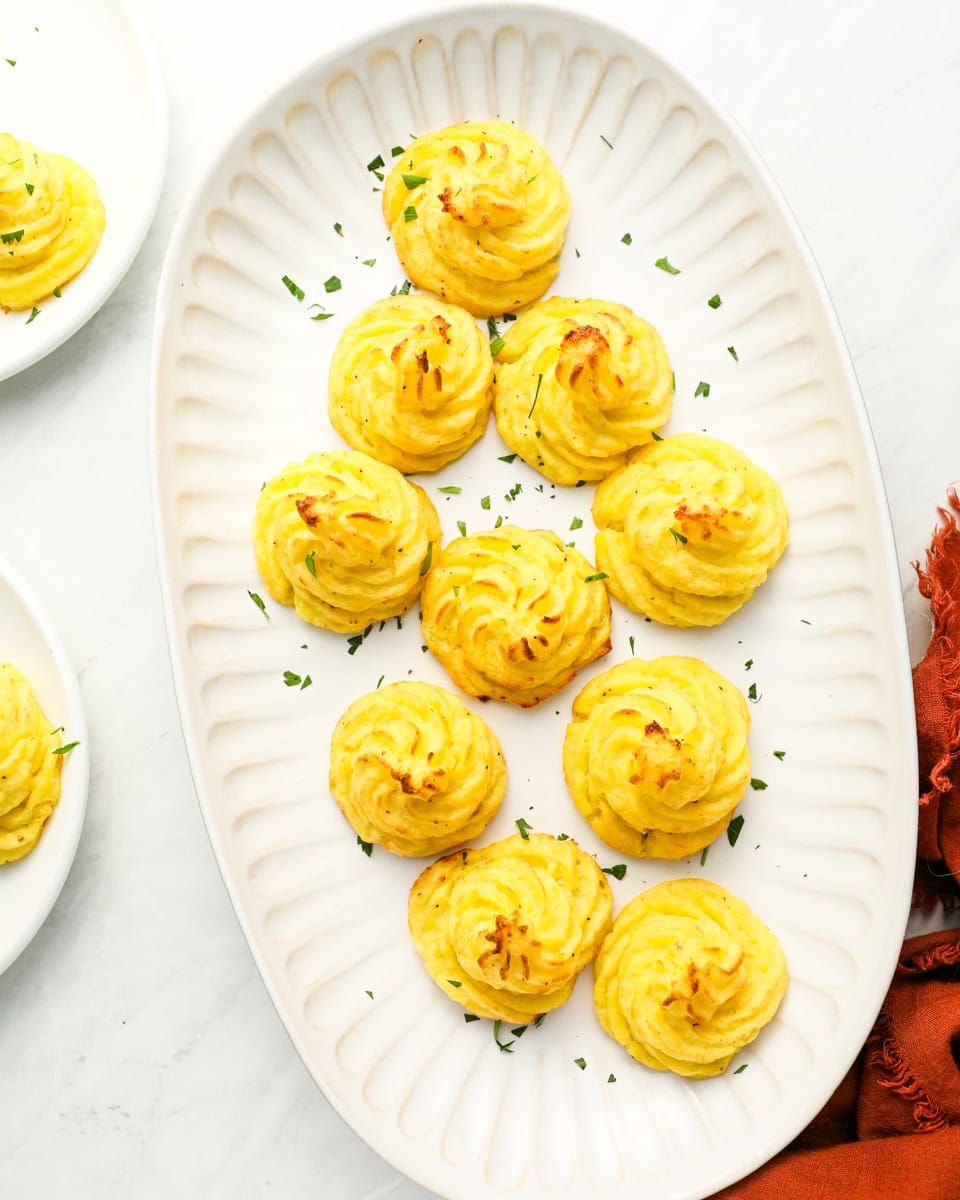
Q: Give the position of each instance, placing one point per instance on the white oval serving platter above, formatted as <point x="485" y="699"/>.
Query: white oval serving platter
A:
<point x="30" y="886"/>
<point x="826" y="851"/>
<point x="86" y="84"/>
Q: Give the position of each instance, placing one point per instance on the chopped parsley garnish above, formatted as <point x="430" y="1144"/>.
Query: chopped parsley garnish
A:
<point x="594" y="578"/>
<point x="311" y="563"/>
<point x="366" y="847"/>
<point x="603" y="139"/>
<point x="15" y="236"/>
<point x="410" y="213"/>
<point x="12" y="61"/>
<point x="321" y="315"/>
<point x="295" y="291"/>
<point x="748" y="664"/>
<point x="519" y="1031"/>
<point x="803" y="620"/>
<point x="259" y="603"/>
<point x="306" y="682"/>
<point x="703" y="856"/>
<point x="461" y="525"/>
<point x="677" y="535"/>
<point x="732" y="351"/>
<point x="536" y="396"/>
<point x="456" y="589"/>
<point x="412" y="181"/>
<point x="733" y="829"/>
<point x="496" y="346"/>
<point x="581" y="1063"/>
<point x="656" y="436"/>
<point x="666" y="265"/>
<point x="563" y="837"/>
<point x="630" y="640"/>
<point x="338" y="229"/>
<point x="758" y="785"/>
<point x="67" y="748"/>
<point x="524" y="828"/>
<point x="611" y="1079"/>
<point x="504" y="1046"/>
<point x="29" y="187"/>
<point x="396" y="151"/>
<point x="781" y="754"/>
<point x="455" y="982"/>
<point x="539" y="1021"/>
<point x="427" y="559"/>
<point x="752" y="693"/>
<point x="715" y="300"/>
<point x="468" y="1017"/>
<point x="703" y="389"/>
<point x="369" y="993"/>
<point x="484" y="501"/>
<point x="376" y="163"/>
<point x="291" y="678"/>
<point x="576" y="251"/>
<point x="507" y="458"/>
<point x="369" y="262"/>
<point x="332" y="284"/>
<point x="618" y="870"/>
<point x="498" y="522"/>
<point x="576" y="523"/>
<point x="379" y="681"/>
<point x="450" y="491"/>
<point x="627" y="239"/>
<point x="743" y="1068"/>
<point x="356" y="641"/>
<point x="57" y="292"/>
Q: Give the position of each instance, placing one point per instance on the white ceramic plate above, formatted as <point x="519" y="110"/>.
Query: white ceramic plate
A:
<point x="86" y="84"/>
<point x="825" y="856"/>
<point x="29" y="887"/>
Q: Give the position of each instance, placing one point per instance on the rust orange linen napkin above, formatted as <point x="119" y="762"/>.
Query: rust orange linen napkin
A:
<point x="892" y="1128"/>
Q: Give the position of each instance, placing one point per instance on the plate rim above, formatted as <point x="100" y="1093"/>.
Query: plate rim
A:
<point x="75" y="720"/>
<point x="503" y="11"/>
<point x="31" y="354"/>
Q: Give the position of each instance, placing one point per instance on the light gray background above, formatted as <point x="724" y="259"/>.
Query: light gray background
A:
<point x="139" y="1054"/>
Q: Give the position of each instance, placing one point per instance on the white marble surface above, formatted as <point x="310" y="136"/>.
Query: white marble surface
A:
<point x="139" y="1054"/>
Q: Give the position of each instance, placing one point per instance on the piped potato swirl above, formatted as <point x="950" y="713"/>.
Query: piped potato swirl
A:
<point x="29" y="767"/>
<point x="345" y="539"/>
<point x="656" y="755"/>
<point x="478" y="212"/>
<point x="51" y="222"/>
<point x="411" y="383"/>
<point x="505" y="930"/>
<point x="513" y="614"/>
<point x="414" y="770"/>
<point x="688" y="530"/>
<point x="579" y="384"/>
<point x="687" y="977"/>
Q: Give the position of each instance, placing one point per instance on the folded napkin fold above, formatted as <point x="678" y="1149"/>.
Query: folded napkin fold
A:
<point x="893" y="1124"/>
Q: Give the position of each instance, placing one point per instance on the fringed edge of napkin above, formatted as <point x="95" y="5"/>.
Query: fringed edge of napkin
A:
<point x="886" y="1054"/>
<point x="939" y="582"/>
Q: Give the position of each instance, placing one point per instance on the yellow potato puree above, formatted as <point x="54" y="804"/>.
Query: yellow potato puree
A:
<point x="688" y="530"/>
<point x="51" y="222"/>
<point x="29" y="769"/>
<point x="687" y="976"/>
<point x="505" y="930"/>
<point x="414" y="770"/>
<point x="656" y="755"/>
<point x="580" y="383"/>
<point x="411" y="383"/>
<point x="478" y="212"/>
